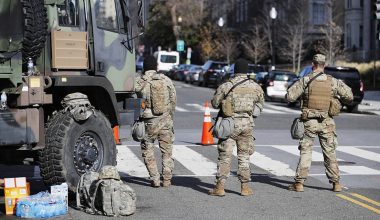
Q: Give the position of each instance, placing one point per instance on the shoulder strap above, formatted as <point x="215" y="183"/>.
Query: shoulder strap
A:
<point x="312" y="79"/>
<point x="94" y="198"/>
<point x="234" y="86"/>
<point x="79" y="188"/>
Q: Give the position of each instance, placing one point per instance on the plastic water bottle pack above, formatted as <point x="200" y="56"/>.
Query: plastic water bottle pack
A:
<point x="41" y="205"/>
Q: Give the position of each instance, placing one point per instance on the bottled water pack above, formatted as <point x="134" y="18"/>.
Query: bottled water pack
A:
<point x="41" y="205"/>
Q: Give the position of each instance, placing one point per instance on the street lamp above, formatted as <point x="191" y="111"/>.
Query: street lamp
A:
<point x="273" y="16"/>
<point x="221" y="22"/>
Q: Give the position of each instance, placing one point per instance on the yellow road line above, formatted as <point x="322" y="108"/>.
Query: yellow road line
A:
<point x="377" y="211"/>
<point x="366" y="199"/>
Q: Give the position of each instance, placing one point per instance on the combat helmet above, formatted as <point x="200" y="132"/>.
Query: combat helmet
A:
<point x="109" y="172"/>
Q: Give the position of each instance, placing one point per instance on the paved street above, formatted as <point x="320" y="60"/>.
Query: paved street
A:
<point x="273" y="167"/>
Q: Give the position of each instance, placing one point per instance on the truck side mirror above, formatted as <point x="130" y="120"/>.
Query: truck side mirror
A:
<point x="140" y="21"/>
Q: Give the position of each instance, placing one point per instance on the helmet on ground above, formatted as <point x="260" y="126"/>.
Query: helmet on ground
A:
<point x="109" y="172"/>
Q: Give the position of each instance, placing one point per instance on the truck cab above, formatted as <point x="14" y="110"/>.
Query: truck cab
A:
<point x="67" y="73"/>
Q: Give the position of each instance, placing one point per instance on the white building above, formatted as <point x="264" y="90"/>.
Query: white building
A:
<point x="360" y="30"/>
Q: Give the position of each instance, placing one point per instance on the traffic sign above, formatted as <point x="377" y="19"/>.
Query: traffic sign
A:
<point x="180" y="45"/>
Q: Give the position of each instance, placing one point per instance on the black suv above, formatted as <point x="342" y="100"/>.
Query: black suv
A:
<point x="351" y="77"/>
<point x="210" y="72"/>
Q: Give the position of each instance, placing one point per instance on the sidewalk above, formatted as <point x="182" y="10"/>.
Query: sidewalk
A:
<point x="370" y="103"/>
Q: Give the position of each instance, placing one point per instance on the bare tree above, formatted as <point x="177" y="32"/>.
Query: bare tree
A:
<point x="294" y="37"/>
<point x="256" y="43"/>
<point x="332" y="45"/>
<point x="206" y="45"/>
<point x="191" y="12"/>
<point x="225" y="45"/>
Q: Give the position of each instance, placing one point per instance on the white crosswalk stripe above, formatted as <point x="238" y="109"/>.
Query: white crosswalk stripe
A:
<point x="129" y="163"/>
<point x="273" y="166"/>
<point x="199" y="165"/>
<point x="316" y="156"/>
<point x="193" y="161"/>
<point x="361" y="153"/>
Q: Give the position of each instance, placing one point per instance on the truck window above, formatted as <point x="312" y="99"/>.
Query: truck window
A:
<point x="106" y="18"/>
<point x="124" y="17"/>
<point x="68" y="13"/>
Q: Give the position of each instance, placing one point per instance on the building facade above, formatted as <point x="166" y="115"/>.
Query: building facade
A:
<point x="361" y="43"/>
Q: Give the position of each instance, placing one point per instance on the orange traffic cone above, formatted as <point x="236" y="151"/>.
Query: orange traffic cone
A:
<point x="207" y="138"/>
<point x="116" y="135"/>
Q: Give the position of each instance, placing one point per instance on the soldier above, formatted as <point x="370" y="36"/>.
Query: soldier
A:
<point x="160" y="100"/>
<point x="243" y="95"/>
<point x="318" y="91"/>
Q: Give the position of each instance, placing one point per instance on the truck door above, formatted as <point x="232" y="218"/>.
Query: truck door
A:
<point x="114" y="54"/>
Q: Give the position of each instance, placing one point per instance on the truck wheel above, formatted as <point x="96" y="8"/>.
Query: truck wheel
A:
<point x="35" y="28"/>
<point x="72" y="148"/>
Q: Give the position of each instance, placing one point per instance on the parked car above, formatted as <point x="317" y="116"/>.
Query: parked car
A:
<point x="276" y="84"/>
<point x="181" y="72"/>
<point x="351" y="77"/>
<point x="193" y="75"/>
<point x="210" y="71"/>
<point x="166" y="60"/>
<point x="253" y="69"/>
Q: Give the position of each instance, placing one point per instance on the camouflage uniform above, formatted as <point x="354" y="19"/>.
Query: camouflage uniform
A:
<point x="318" y="123"/>
<point x="242" y="136"/>
<point x="157" y="127"/>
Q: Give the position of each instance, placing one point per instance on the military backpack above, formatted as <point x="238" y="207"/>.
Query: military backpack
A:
<point x="104" y="193"/>
<point x="159" y="95"/>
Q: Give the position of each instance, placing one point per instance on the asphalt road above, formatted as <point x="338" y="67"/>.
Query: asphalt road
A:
<point x="273" y="166"/>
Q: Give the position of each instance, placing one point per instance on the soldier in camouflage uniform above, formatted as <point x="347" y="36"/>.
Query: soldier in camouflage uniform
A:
<point x="157" y="126"/>
<point x="317" y="91"/>
<point x="243" y="97"/>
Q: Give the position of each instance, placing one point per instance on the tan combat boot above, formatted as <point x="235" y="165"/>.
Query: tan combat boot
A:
<point x="337" y="187"/>
<point x="218" y="190"/>
<point x="246" y="190"/>
<point x="155" y="183"/>
<point x="298" y="187"/>
<point x="166" y="183"/>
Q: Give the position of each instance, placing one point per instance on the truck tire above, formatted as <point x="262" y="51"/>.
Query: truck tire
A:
<point x="72" y="148"/>
<point x="35" y="28"/>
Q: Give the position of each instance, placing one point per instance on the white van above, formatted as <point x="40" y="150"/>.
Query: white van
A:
<point x="166" y="60"/>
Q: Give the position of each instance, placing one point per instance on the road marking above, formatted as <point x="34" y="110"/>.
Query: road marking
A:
<point x="373" y="202"/>
<point x="200" y="107"/>
<point x="359" y="203"/>
<point x="179" y="109"/>
<point x="129" y="163"/>
<point x="275" y="167"/>
<point x="270" y="111"/>
<point x="194" y="161"/>
<point x="359" y="170"/>
<point x="360" y="153"/>
<point x="282" y="109"/>
<point x="316" y="156"/>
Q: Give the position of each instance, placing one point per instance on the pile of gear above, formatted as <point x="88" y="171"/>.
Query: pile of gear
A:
<point x="104" y="193"/>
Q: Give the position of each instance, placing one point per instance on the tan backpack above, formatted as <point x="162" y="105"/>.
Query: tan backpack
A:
<point x="159" y="95"/>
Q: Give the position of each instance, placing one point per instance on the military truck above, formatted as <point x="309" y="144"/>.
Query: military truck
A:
<point x="67" y="71"/>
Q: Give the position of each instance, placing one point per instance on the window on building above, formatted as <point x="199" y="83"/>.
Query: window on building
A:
<point x="105" y="11"/>
<point x="68" y="13"/>
<point x="348" y="3"/>
<point x="361" y="36"/>
<point x="348" y="27"/>
<point x="319" y="13"/>
<point x="361" y="3"/>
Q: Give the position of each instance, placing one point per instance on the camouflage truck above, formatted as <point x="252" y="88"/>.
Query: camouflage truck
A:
<point x="67" y="71"/>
